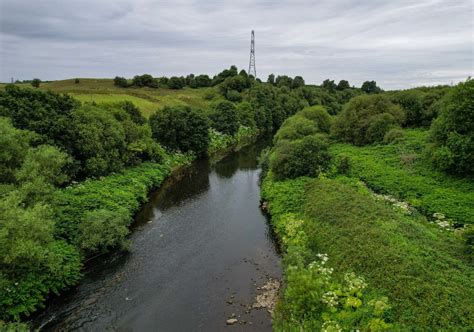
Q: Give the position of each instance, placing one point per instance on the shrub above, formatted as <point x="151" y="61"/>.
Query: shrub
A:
<point x="452" y="133"/>
<point x="176" y="82"/>
<point x="246" y="114"/>
<point x="76" y="81"/>
<point x="224" y="118"/>
<point x="411" y="102"/>
<point x="379" y="125"/>
<point x="234" y="96"/>
<point x="181" y="128"/>
<point x="366" y="119"/>
<point x="35" y="82"/>
<point x="295" y="127"/>
<point x="306" y="157"/>
<point x="103" y="229"/>
<point x="120" y="82"/>
<point x="394" y="136"/>
<point x="319" y="116"/>
<point x="343" y="164"/>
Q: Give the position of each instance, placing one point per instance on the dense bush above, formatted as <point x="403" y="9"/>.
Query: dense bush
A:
<point x="319" y="116"/>
<point x="411" y="102"/>
<point x="246" y="114"/>
<point x="145" y="80"/>
<point x="370" y="87"/>
<point x="453" y="131"/>
<point x="120" y="82"/>
<point x="35" y="82"/>
<point x="366" y="119"/>
<point x="181" y="128"/>
<point x="46" y="113"/>
<point x="394" y="135"/>
<point x="233" y="95"/>
<point x="295" y="127"/>
<point x="224" y="118"/>
<point x="306" y="157"/>
<point x="14" y="143"/>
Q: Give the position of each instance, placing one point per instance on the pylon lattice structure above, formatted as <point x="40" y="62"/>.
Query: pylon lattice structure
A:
<point x="252" y="68"/>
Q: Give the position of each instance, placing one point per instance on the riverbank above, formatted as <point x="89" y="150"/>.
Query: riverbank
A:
<point x="201" y="253"/>
<point x="354" y="259"/>
<point x="123" y="193"/>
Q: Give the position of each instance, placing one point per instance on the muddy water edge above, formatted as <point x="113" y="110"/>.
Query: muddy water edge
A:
<point x="202" y="252"/>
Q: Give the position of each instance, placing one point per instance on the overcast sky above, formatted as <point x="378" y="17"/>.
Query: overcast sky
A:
<point x="398" y="43"/>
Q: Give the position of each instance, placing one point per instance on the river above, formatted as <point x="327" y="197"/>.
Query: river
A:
<point x="201" y="249"/>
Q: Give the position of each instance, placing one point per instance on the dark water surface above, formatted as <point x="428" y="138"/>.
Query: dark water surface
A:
<point x="199" y="243"/>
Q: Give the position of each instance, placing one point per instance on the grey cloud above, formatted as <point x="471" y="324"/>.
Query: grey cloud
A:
<point x="398" y="43"/>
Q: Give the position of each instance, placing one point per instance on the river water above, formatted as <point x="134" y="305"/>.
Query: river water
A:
<point x="200" y="251"/>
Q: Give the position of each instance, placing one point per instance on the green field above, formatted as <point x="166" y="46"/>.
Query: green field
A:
<point x="147" y="100"/>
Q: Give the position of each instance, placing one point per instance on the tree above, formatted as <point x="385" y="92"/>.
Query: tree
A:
<point x="36" y="82"/>
<point x="329" y="85"/>
<point x="46" y="113"/>
<point x="176" y="82"/>
<point x="224" y="118"/>
<point x="43" y="168"/>
<point x="411" y="102"/>
<point x="76" y="81"/>
<point x="452" y="133"/>
<point x="120" y="82"/>
<point x="370" y="87"/>
<point x="271" y="79"/>
<point x="342" y="85"/>
<point x="298" y="82"/>
<point x="362" y="120"/>
<point x="283" y="80"/>
<point x="181" y="128"/>
<point x="102" y="229"/>
<point x="98" y="141"/>
<point x="306" y="157"/>
<point x="15" y="144"/>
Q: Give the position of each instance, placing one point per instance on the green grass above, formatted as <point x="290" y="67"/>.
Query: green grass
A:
<point x="147" y="99"/>
<point x="403" y="171"/>
<point x="420" y="268"/>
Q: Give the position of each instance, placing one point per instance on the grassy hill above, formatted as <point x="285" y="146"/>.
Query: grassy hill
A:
<point x="147" y="99"/>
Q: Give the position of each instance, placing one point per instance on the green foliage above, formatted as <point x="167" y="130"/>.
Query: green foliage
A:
<point x="234" y="96"/>
<point x="35" y="82"/>
<point x="394" y="135"/>
<point x="98" y="141"/>
<point x="14" y="143"/>
<point x="319" y="116"/>
<point x="306" y="157"/>
<point x="384" y="169"/>
<point x="176" y="83"/>
<point x="102" y="229"/>
<point x="246" y="114"/>
<point x="298" y="82"/>
<point x="370" y="87"/>
<point x="113" y="193"/>
<point x="181" y="128"/>
<point x="366" y="119"/>
<point x="365" y="236"/>
<point x="342" y="85"/>
<point x="452" y="132"/>
<point x="295" y="127"/>
<point x="224" y="118"/>
<point x="411" y="102"/>
<point x="43" y="168"/>
<point x="46" y="113"/>
<point x="145" y="80"/>
<point x="32" y="262"/>
<point x="120" y="82"/>
<point x="76" y="81"/>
